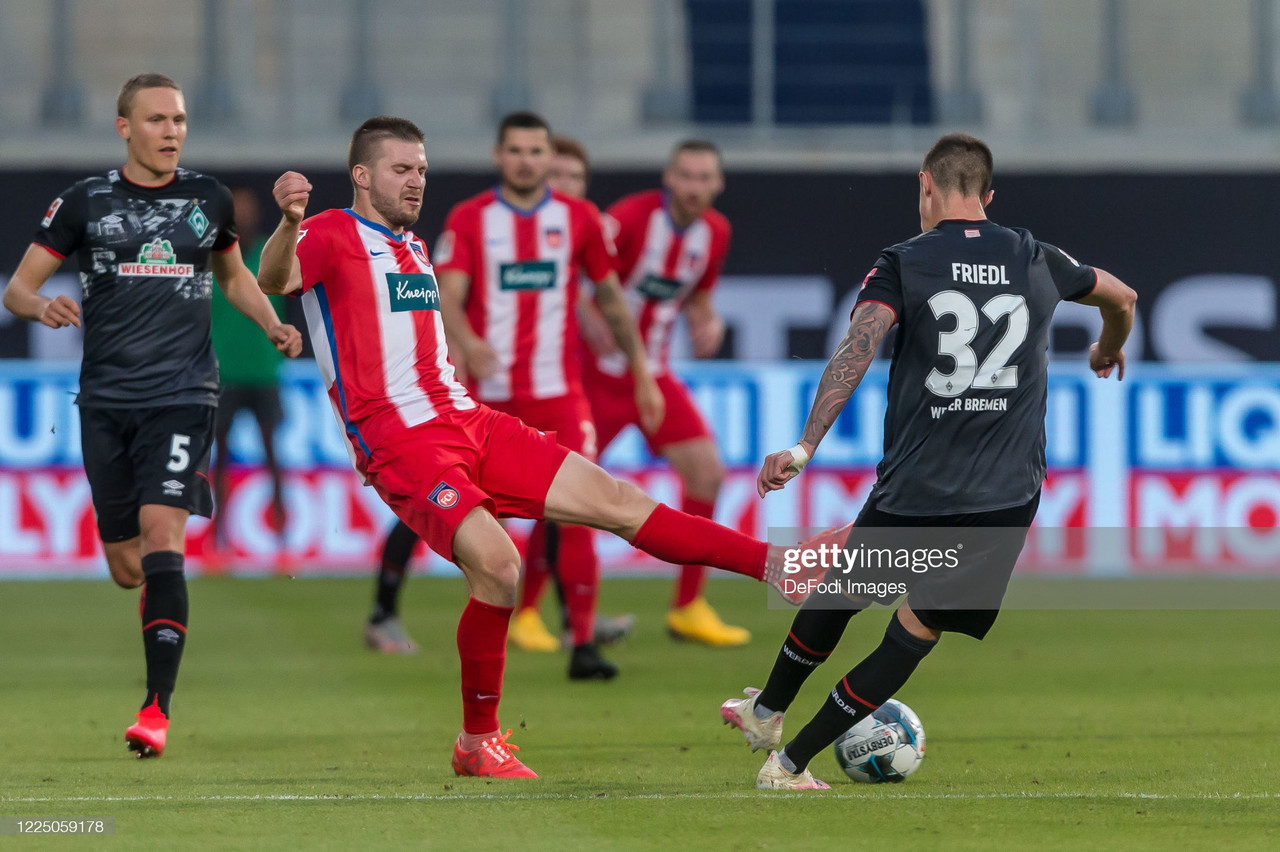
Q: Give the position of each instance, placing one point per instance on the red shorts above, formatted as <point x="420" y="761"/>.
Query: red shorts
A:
<point x="613" y="404"/>
<point x="434" y="474"/>
<point x="569" y="417"/>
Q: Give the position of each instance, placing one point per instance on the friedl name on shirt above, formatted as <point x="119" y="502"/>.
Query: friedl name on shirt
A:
<point x="978" y="273"/>
<point x="969" y="403"/>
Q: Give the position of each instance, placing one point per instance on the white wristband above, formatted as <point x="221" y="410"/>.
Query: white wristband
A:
<point x="799" y="458"/>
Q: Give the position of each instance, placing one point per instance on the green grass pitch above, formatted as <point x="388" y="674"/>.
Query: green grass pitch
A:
<point x="1063" y="730"/>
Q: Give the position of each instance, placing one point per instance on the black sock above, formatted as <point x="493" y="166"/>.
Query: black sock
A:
<point x="869" y="684"/>
<point x="164" y="623"/>
<point x="815" y="632"/>
<point x="391" y="573"/>
<point x="552" y="538"/>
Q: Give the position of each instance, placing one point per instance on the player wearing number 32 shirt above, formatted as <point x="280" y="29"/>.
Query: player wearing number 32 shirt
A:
<point x="447" y="465"/>
<point x="964" y="444"/>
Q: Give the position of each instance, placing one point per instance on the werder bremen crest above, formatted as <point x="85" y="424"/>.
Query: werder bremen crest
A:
<point x="198" y="221"/>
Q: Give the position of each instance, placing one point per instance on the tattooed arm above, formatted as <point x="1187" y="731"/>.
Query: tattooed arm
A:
<point x="871" y="321"/>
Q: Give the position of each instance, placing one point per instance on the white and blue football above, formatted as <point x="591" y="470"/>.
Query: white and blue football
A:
<point x="886" y="746"/>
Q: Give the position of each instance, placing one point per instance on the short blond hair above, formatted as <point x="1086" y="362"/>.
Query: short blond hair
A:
<point x="131" y="87"/>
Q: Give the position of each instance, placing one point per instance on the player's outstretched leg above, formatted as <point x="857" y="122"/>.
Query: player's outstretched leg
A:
<point x="491" y="564"/>
<point x="583" y="493"/>
<point x="691" y="617"/>
<point x="868" y="685"/>
<point x="384" y="631"/>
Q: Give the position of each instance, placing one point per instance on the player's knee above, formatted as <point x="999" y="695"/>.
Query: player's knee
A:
<point x="494" y="572"/>
<point x="156" y="540"/>
<point x="162" y="532"/>
<point x="504" y="569"/>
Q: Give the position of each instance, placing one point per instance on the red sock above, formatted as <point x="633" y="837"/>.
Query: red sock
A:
<point x="580" y="576"/>
<point x="535" y="567"/>
<point x="685" y="540"/>
<point x="692" y="578"/>
<point x="482" y="647"/>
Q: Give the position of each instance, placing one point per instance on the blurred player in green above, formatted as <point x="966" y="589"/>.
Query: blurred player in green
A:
<point x="249" y="366"/>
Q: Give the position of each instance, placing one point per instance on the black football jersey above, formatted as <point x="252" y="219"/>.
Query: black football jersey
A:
<point x="964" y="429"/>
<point x="146" y="284"/>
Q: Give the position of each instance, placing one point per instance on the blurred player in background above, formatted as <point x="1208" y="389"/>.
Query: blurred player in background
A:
<point x="149" y="239"/>
<point x="570" y="173"/>
<point x="249" y="368"/>
<point x="509" y="262"/>
<point x="671" y="246"/>
<point x="446" y="464"/>
<point x="964" y="439"/>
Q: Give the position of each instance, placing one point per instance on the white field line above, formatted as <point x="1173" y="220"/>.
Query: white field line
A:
<point x="532" y="797"/>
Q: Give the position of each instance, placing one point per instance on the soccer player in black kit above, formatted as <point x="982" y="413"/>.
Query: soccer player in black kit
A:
<point x="964" y="438"/>
<point x="148" y="239"/>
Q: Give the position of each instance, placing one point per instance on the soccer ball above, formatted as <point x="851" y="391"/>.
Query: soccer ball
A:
<point x="887" y="746"/>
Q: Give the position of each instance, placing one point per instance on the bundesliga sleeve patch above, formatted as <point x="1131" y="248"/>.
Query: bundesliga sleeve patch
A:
<point x="50" y="213"/>
<point x="444" y="495"/>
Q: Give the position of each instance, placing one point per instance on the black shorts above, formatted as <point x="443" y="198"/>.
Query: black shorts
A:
<point x="262" y="400"/>
<point x="136" y="457"/>
<point x="963" y="597"/>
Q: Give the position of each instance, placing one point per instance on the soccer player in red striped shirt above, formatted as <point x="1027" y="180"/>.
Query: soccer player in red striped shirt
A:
<point x="447" y="465"/>
<point x="510" y="261"/>
<point x="569" y="174"/>
<point x="671" y="246"/>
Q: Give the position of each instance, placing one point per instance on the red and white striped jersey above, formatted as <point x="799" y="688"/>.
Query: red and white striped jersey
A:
<point x="373" y="310"/>
<point x="661" y="265"/>
<point x="524" y="267"/>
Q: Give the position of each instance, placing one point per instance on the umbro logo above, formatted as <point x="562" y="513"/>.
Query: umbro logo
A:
<point x="167" y="635"/>
<point x="173" y="487"/>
